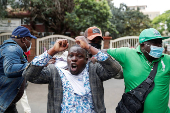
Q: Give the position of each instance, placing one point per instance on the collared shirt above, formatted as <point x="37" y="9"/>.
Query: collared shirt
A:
<point x="136" y="69"/>
<point x="73" y="102"/>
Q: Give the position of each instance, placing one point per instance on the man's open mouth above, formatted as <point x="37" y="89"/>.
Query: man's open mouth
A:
<point x="73" y="67"/>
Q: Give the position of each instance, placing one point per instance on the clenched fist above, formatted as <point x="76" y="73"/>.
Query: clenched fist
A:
<point x="81" y="40"/>
<point x="60" y="45"/>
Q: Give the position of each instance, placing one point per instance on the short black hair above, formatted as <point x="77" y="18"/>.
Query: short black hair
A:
<point x="86" y="52"/>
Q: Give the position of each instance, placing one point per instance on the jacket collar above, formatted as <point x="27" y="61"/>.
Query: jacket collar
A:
<point x="10" y="41"/>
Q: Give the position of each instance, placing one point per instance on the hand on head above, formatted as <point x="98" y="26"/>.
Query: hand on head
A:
<point x="81" y="40"/>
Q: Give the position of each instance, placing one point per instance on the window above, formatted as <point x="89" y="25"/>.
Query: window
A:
<point x="25" y="21"/>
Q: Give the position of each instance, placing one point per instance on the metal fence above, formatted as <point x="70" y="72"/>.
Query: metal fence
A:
<point x="128" y="41"/>
<point x="46" y="43"/>
<point x="4" y="36"/>
<point x="131" y="42"/>
<point x="166" y="42"/>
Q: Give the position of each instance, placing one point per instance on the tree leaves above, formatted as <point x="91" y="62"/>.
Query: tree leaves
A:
<point x="60" y="16"/>
<point x="128" y="22"/>
<point x="162" y="23"/>
<point x="88" y="13"/>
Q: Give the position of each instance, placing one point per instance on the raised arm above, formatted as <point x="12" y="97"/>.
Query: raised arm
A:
<point x="36" y="72"/>
<point x="108" y="67"/>
<point x="81" y="40"/>
<point x="60" y="45"/>
<point x="120" y="74"/>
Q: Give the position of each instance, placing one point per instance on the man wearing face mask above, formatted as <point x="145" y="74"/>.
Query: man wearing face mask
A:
<point x="94" y="36"/>
<point x="12" y="63"/>
<point x="137" y="64"/>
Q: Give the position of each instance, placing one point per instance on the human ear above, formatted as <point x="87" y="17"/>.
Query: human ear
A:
<point x="23" y="40"/>
<point x="142" y="47"/>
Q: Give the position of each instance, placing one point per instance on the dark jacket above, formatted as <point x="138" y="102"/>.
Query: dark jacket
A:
<point x="12" y="64"/>
<point x="97" y="74"/>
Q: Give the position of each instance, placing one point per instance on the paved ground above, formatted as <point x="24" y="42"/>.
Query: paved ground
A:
<point x="37" y="96"/>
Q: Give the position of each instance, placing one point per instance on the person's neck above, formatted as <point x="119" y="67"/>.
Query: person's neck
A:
<point x="19" y="43"/>
<point x="149" y="58"/>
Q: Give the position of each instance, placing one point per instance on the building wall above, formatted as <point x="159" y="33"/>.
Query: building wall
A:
<point x="142" y="7"/>
<point x="151" y="14"/>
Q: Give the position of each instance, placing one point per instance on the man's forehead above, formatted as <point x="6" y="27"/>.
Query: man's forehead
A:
<point x="76" y="49"/>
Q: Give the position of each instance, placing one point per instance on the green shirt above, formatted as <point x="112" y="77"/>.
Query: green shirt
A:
<point x="136" y="69"/>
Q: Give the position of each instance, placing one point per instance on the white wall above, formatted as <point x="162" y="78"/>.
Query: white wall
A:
<point x="8" y="25"/>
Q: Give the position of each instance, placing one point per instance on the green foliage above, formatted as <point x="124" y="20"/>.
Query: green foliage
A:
<point x="3" y="6"/>
<point x="88" y="13"/>
<point x="128" y="22"/>
<point x="50" y="12"/>
<point x="19" y="5"/>
<point x="162" y="22"/>
<point x="135" y="22"/>
<point x="3" y="13"/>
<point x="77" y="15"/>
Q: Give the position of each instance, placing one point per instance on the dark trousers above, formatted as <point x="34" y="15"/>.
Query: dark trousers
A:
<point x="11" y="109"/>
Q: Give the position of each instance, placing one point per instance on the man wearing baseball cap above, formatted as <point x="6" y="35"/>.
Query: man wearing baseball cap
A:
<point x="94" y="36"/>
<point x="12" y="63"/>
<point x="137" y="64"/>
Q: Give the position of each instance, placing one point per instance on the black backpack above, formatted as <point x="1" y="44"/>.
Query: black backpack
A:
<point x="133" y="101"/>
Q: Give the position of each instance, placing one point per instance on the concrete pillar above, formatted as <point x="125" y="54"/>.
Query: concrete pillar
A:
<point x="106" y="42"/>
<point x="32" y="51"/>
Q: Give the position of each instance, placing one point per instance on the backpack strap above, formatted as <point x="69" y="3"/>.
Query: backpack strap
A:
<point x="146" y="86"/>
<point x="152" y="74"/>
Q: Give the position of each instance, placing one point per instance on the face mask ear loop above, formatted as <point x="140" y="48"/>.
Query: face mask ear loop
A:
<point x="26" y="45"/>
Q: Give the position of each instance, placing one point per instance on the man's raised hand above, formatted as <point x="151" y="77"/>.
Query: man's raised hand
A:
<point x="81" y="40"/>
<point x="60" y="45"/>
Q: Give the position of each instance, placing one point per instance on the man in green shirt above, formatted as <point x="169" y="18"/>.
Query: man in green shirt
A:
<point x="137" y="64"/>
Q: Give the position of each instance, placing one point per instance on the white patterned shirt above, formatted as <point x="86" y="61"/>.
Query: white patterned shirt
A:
<point x="73" y="102"/>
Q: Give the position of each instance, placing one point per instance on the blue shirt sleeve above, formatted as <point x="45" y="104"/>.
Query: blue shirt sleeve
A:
<point x="42" y="59"/>
<point x="100" y="56"/>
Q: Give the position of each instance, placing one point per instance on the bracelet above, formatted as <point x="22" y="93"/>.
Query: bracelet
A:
<point x="89" y="49"/>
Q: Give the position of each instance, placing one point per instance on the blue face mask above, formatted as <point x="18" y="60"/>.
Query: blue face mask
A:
<point x="155" y="51"/>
